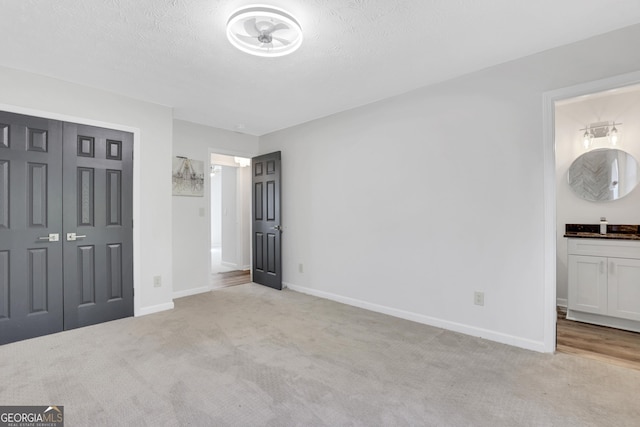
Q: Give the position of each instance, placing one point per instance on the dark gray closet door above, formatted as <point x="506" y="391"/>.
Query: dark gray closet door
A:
<point x="30" y="219"/>
<point x="98" y="206"/>
<point x="267" y="256"/>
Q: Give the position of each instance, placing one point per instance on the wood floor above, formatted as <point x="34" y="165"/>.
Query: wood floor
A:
<point x="231" y="278"/>
<point x="609" y="345"/>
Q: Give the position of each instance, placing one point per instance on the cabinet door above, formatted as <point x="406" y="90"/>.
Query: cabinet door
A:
<point x="588" y="284"/>
<point x="624" y="288"/>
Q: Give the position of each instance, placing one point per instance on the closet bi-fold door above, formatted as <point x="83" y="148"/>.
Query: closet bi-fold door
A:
<point x="31" y="296"/>
<point x="97" y="212"/>
<point x="66" y="245"/>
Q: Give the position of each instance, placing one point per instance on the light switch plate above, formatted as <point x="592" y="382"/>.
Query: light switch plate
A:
<point x="478" y="298"/>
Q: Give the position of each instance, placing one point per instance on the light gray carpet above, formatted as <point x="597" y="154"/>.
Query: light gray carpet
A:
<point x="251" y="356"/>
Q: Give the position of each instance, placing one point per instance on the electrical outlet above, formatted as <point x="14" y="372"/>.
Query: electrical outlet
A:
<point x="300" y="268"/>
<point x="157" y="281"/>
<point x="478" y="298"/>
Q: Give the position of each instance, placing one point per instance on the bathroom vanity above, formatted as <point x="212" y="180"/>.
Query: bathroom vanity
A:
<point x="604" y="275"/>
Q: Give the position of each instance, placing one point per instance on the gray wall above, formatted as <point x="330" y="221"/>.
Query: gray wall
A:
<point x="191" y="231"/>
<point x="411" y="204"/>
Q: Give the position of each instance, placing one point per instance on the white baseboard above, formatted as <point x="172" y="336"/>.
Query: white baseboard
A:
<point x="189" y="292"/>
<point x="427" y="320"/>
<point x="237" y="267"/>
<point x="562" y="302"/>
<point x="155" y="309"/>
<point x="602" y="320"/>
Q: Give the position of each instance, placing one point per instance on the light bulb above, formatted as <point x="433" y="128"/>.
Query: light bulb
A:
<point x="586" y="139"/>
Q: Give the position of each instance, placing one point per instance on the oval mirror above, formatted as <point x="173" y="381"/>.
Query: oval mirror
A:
<point x="604" y="174"/>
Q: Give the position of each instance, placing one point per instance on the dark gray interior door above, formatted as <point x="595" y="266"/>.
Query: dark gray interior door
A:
<point x="30" y="220"/>
<point x="98" y="240"/>
<point x="66" y="227"/>
<point x="267" y="262"/>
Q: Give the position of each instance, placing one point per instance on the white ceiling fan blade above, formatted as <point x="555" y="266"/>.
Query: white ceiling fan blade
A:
<point x="284" y="42"/>
<point x="250" y="27"/>
<point x="277" y="27"/>
<point x="248" y="39"/>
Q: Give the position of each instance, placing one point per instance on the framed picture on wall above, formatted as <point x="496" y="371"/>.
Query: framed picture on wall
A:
<point x="188" y="177"/>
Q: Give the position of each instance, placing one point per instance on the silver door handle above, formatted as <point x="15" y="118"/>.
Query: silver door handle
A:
<point x="277" y="227"/>
<point x="52" y="237"/>
<point x="73" y="237"/>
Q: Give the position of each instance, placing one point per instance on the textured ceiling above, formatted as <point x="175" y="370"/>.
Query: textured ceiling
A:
<point x="175" y="52"/>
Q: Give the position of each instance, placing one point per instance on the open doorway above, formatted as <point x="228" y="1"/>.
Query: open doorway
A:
<point x="230" y="220"/>
<point x="589" y="130"/>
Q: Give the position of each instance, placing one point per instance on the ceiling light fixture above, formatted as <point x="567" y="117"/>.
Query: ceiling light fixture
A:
<point x="264" y="31"/>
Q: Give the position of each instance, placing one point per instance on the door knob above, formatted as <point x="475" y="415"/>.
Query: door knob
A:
<point x="52" y="237"/>
<point x="277" y="227"/>
<point x="71" y="237"/>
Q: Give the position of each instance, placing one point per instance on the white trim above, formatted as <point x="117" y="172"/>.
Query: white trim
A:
<point x="549" y="240"/>
<point x="562" y="302"/>
<point x="137" y="182"/>
<point x="189" y="292"/>
<point x="427" y="320"/>
<point x="229" y="265"/>
<point x="548" y="140"/>
<point x="237" y="267"/>
<point x="602" y="320"/>
<point x="155" y="309"/>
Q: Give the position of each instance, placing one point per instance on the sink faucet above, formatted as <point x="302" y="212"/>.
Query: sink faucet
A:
<point x="603" y="225"/>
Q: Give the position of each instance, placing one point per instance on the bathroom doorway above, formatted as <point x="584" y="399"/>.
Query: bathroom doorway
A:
<point x="230" y="220"/>
<point x="583" y="123"/>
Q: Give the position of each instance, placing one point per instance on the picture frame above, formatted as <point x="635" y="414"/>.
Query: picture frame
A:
<point x="187" y="177"/>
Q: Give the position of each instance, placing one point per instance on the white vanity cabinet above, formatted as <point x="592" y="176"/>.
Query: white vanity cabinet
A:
<point x="604" y="282"/>
<point x="588" y="284"/>
<point x="624" y="288"/>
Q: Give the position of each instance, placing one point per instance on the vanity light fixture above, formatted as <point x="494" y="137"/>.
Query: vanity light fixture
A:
<point x="600" y="130"/>
<point x="214" y="169"/>
<point x="243" y="162"/>
<point x="264" y="31"/>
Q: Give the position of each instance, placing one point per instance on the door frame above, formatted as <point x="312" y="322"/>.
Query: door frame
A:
<point x="137" y="218"/>
<point x="207" y="189"/>
<point x="549" y="99"/>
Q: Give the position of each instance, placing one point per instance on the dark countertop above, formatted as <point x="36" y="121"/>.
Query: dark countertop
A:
<point x="592" y="231"/>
